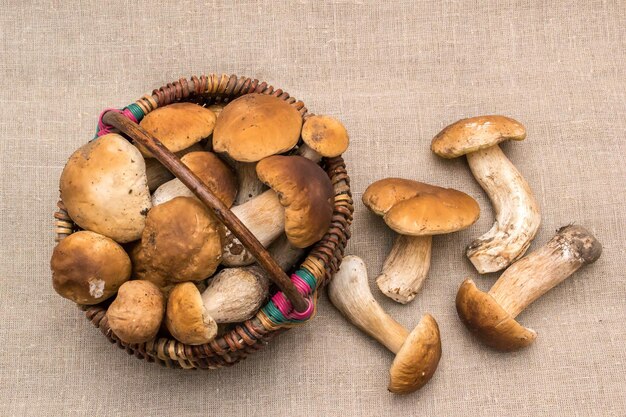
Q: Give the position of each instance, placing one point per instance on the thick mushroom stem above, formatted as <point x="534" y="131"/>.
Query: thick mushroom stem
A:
<point x="531" y="277"/>
<point x="517" y="211"/>
<point x="249" y="184"/>
<point x="264" y="216"/>
<point x="405" y="268"/>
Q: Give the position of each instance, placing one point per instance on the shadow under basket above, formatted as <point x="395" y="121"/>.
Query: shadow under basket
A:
<point x="322" y="261"/>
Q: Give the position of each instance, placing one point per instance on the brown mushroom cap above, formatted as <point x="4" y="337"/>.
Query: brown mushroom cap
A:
<point x="325" y="135"/>
<point x="105" y="189"/>
<point x="475" y="133"/>
<point x="182" y="241"/>
<point x="186" y="318"/>
<point x="305" y="191"/>
<point x="417" y="360"/>
<point x="417" y="209"/>
<point x="136" y="314"/>
<point x="178" y="126"/>
<point x="255" y="126"/>
<point x="485" y="318"/>
<point x="88" y="268"/>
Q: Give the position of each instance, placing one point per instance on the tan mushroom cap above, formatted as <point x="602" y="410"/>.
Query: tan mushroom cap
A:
<point x="88" y="268"/>
<point x="255" y="126"/>
<point x="305" y="191"/>
<point x="416" y="209"/>
<point x="486" y="319"/>
<point x="214" y="173"/>
<point x="105" y="189"/>
<point x="178" y="126"/>
<point x="182" y="241"/>
<point x="475" y="133"/>
<point x="186" y="318"/>
<point x="417" y="360"/>
<point x="136" y="314"/>
<point x="325" y="135"/>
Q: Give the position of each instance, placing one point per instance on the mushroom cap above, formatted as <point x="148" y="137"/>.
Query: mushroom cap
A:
<point x="325" y="135"/>
<point x="416" y="361"/>
<point x="186" y="318"/>
<point x="255" y="126"/>
<point x="485" y="318"/>
<point x="211" y="170"/>
<point x="178" y="126"/>
<point x="136" y="314"/>
<point x="475" y="133"/>
<point x="305" y="191"/>
<point x="417" y="209"/>
<point x="88" y="268"/>
<point x="105" y="190"/>
<point x="182" y="241"/>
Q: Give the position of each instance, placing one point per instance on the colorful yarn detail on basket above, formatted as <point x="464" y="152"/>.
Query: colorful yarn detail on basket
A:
<point x="279" y="310"/>
<point x="132" y="111"/>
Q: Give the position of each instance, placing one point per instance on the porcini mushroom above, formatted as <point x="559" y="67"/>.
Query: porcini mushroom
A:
<point x="517" y="211"/>
<point x="186" y="318"/>
<point x="491" y="316"/>
<point x="104" y="188"/>
<point x="182" y="241"/>
<point x="416" y="211"/>
<point x="305" y="192"/>
<point x="255" y="126"/>
<point x="88" y="268"/>
<point x="323" y="136"/>
<point x="178" y="126"/>
<point x="417" y="353"/>
<point x="136" y="314"/>
<point x="157" y="174"/>
<point x="210" y="169"/>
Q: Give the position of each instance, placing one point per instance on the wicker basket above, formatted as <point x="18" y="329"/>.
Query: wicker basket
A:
<point x="321" y="262"/>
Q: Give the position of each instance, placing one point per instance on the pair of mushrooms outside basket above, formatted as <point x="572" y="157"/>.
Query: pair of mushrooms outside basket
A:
<point x="178" y="243"/>
<point x="417" y="211"/>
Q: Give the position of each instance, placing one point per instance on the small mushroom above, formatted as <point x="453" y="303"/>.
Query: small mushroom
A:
<point x="305" y="192"/>
<point x="214" y="173"/>
<point x="186" y="318"/>
<point x="323" y="136"/>
<point x="491" y="316"/>
<point x="416" y="211"/>
<point x="104" y="188"/>
<point x="182" y="241"/>
<point x="88" y="268"/>
<point x="158" y="175"/>
<point x="178" y="126"/>
<point x="517" y="211"/>
<point x="136" y="314"/>
<point x="255" y="126"/>
<point x="417" y="353"/>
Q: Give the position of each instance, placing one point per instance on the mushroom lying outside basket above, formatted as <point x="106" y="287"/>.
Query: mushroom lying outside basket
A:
<point x="294" y="298"/>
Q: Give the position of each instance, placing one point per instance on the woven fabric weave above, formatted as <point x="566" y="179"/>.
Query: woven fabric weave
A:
<point x="395" y="73"/>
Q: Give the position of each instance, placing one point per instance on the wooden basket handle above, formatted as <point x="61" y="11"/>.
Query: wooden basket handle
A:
<point x="222" y="212"/>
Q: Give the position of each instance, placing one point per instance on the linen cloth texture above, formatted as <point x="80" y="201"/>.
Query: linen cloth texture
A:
<point x="395" y="73"/>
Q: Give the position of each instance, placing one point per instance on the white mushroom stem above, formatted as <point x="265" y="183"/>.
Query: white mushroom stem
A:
<point x="534" y="275"/>
<point x="307" y="152"/>
<point x="264" y="216"/>
<point x="350" y="294"/>
<point x="157" y="174"/>
<point x="517" y="211"/>
<point x="405" y="268"/>
<point x="249" y="185"/>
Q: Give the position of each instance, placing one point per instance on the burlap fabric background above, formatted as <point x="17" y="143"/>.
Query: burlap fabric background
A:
<point x="395" y="73"/>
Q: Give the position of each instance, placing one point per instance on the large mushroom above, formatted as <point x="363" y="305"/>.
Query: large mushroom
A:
<point x="517" y="211"/>
<point x="416" y="211"/>
<point x="255" y="126"/>
<point x="178" y="126"/>
<point x="491" y="316"/>
<point x="182" y="241"/>
<point x="88" y="268"/>
<point x="136" y="314"/>
<point x="323" y="136"/>
<point x="417" y="353"/>
<point x="300" y="202"/>
<point x="104" y="188"/>
<point x="214" y="173"/>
